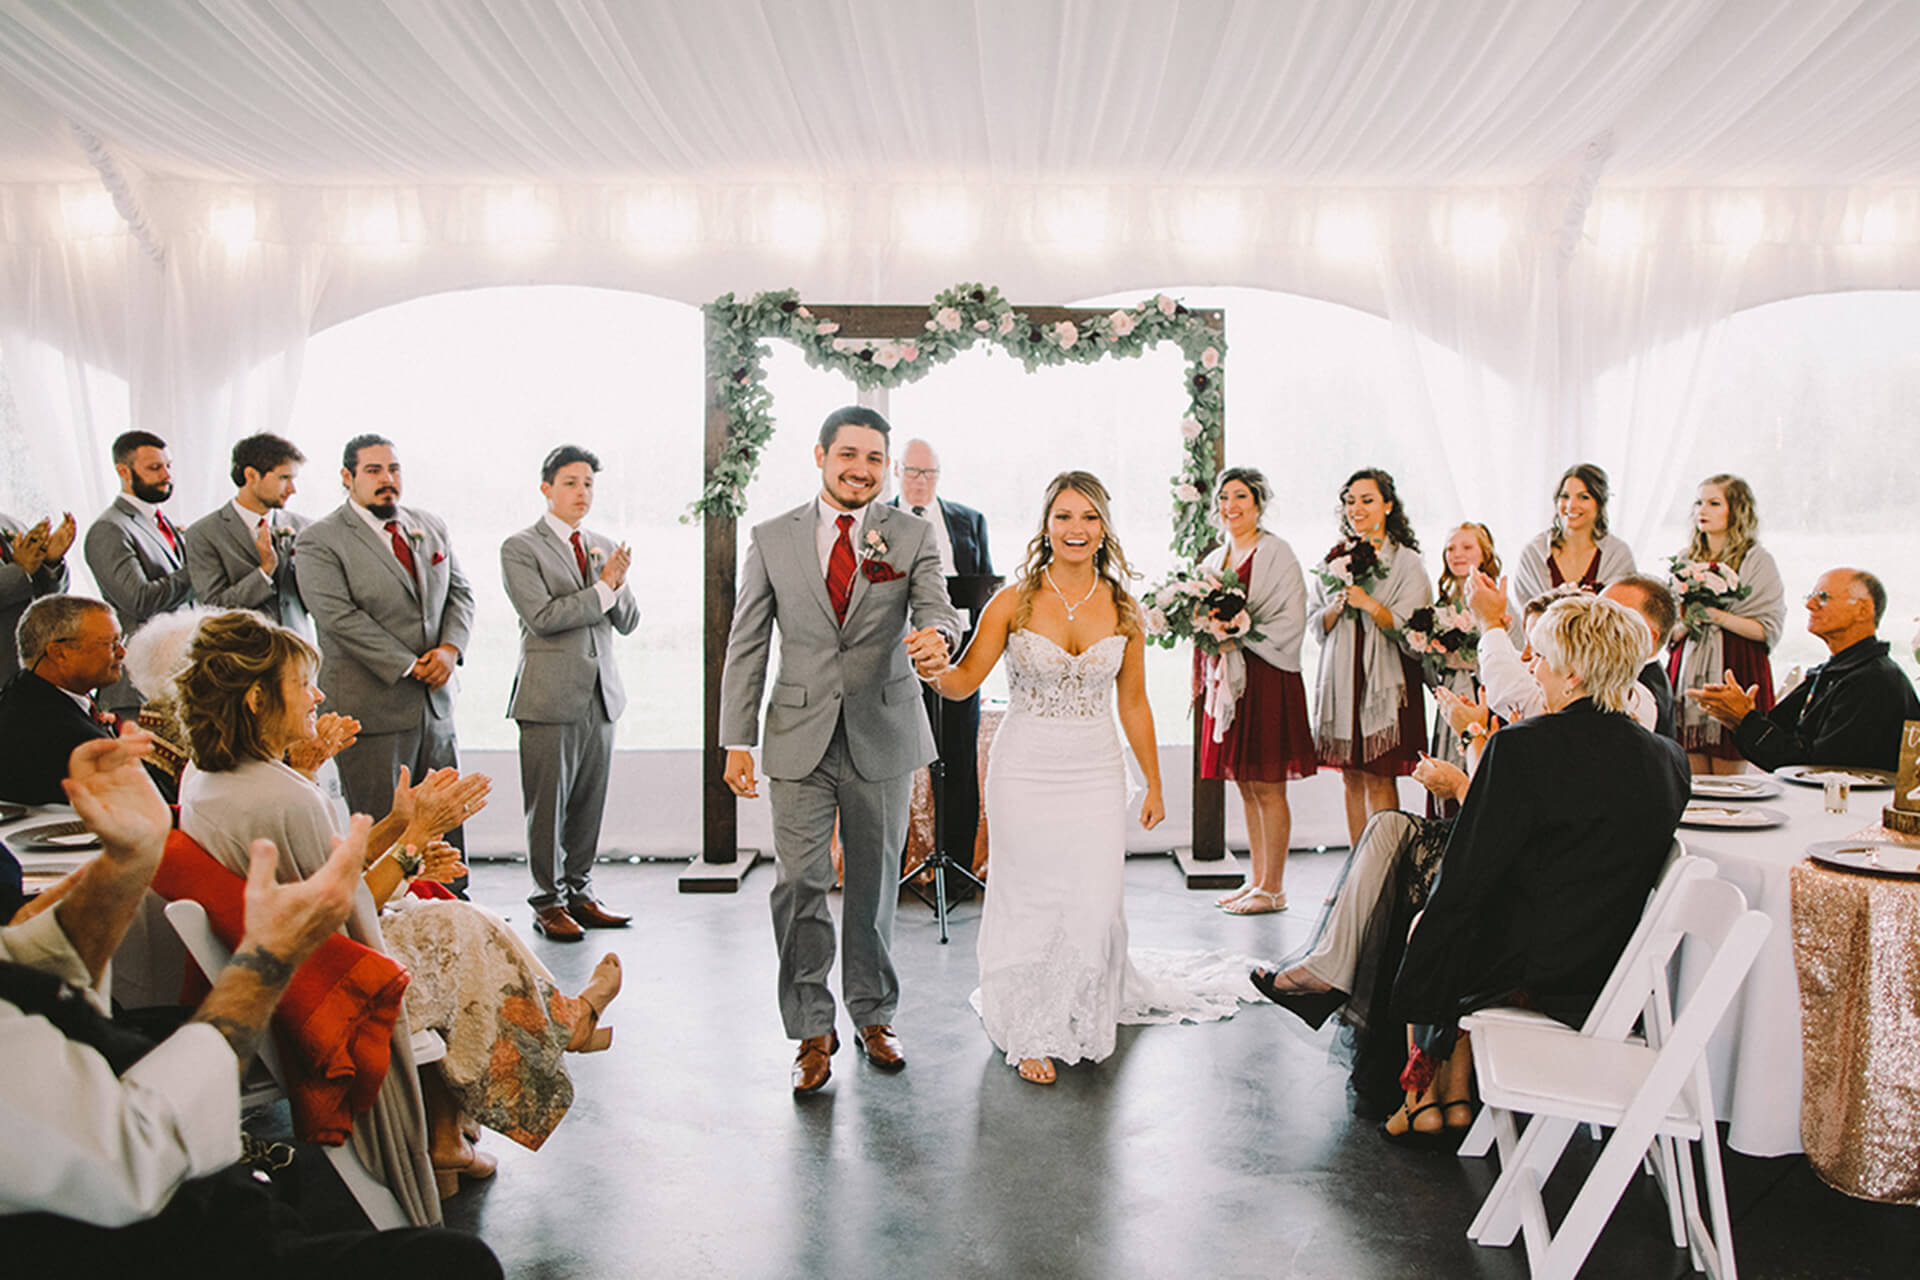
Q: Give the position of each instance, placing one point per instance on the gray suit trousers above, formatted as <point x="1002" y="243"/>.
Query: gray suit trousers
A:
<point x="370" y="767"/>
<point x="873" y="830"/>
<point x="563" y="787"/>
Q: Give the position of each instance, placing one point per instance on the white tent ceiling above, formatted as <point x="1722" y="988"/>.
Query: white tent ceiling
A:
<point x="1307" y="93"/>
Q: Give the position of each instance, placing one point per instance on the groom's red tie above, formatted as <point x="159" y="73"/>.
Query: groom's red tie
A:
<point x="840" y="569"/>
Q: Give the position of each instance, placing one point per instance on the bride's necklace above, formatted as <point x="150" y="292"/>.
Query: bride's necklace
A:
<point x="1071" y="607"/>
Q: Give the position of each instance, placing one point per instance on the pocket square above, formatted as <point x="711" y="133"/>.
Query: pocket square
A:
<point x="880" y="571"/>
<point x="438" y="556"/>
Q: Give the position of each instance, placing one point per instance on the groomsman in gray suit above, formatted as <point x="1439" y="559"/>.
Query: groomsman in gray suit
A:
<point x="137" y="555"/>
<point x="569" y="587"/>
<point x="33" y="563"/>
<point x="393" y="612"/>
<point x="241" y="555"/>
<point x="842" y="576"/>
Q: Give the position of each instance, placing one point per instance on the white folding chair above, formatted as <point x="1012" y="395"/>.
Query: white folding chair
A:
<point x="189" y="920"/>
<point x="1642" y="1091"/>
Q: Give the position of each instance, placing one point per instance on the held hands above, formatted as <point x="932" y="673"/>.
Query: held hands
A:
<point x="739" y="775"/>
<point x="435" y="667"/>
<point x="334" y="733"/>
<point x="928" y="649"/>
<point x="614" y="572"/>
<point x="1726" y="702"/>
<point x="111" y="792"/>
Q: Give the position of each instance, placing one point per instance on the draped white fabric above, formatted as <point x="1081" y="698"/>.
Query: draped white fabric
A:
<point x="1557" y="204"/>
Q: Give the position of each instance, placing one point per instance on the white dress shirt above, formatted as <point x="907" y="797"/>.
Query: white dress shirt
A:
<point x="936" y="516"/>
<point x="564" y="531"/>
<point x="80" y="1142"/>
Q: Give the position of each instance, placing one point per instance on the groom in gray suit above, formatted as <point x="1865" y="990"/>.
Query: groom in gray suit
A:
<point x="393" y="612"/>
<point x="569" y="587"/>
<point x="841" y="576"/>
<point x="240" y="555"/>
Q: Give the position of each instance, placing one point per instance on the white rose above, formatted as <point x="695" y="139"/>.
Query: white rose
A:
<point x="947" y="318"/>
<point x="886" y="355"/>
<point x="1121" y="322"/>
<point x="1186" y="493"/>
<point x="1189" y="428"/>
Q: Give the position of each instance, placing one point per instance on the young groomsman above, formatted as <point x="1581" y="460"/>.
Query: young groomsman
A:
<point x="137" y="555"/>
<point x="569" y="587"/>
<point x="392" y="613"/>
<point x="241" y="556"/>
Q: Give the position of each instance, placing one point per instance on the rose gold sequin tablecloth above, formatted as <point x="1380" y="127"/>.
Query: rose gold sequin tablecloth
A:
<point x="1856" y="945"/>
<point x="920" y="816"/>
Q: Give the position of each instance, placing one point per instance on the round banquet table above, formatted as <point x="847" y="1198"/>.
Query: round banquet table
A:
<point x="1755" y="1056"/>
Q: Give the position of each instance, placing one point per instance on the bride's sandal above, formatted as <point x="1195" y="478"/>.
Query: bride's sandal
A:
<point x="588" y="1035"/>
<point x="1227" y="899"/>
<point x="1256" y="902"/>
<point x="1037" y="1070"/>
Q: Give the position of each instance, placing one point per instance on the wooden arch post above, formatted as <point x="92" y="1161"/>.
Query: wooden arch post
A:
<point x="723" y="863"/>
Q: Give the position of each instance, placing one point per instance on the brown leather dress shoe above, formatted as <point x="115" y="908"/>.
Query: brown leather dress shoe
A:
<point x="882" y="1047"/>
<point x="554" y="923"/>
<point x="812" y="1066"/>
<point x="591" y="915"/>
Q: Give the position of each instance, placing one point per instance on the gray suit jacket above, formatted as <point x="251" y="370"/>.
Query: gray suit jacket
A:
<point x="18" y="589"/>
<point x="372" y="618"/>
<point x="138" y="574"/>
<point x="225" y="567"/>
<point x="566" y="638"/>
<point x="860" y="668"/>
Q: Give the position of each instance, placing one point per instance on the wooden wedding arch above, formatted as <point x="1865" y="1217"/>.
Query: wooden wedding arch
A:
<point x="891" y="345"/>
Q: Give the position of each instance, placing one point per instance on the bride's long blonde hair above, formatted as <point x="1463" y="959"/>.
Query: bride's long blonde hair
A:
<point x="1109" y="561"/>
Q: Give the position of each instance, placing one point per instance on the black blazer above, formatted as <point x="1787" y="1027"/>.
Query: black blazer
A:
<point x="1849" y="710"/>
<point x="1654" y="677"/>
<point x="39" y="728"/>
<point x="967" y="535"/>
<point x="1563" y="834"/>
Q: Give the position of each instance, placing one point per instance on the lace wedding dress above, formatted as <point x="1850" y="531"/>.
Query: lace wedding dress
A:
<point x="1056" y="978"/>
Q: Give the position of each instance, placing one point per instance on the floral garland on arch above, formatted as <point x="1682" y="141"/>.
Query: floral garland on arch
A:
<point x="957" y="319"/>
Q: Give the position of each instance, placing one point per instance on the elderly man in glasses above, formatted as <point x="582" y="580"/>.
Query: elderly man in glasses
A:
<point x="1849" y="710"/>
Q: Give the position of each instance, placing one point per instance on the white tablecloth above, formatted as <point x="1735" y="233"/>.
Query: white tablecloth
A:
<point x="1755" y="1056"/>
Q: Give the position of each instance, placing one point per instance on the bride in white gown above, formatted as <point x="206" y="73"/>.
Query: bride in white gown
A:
<point x="1056" y="978"/>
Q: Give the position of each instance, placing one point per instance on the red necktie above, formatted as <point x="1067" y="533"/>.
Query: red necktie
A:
<point x="840" y="569"/>
<point x="166" y="531"/>
<point x="580" y="558"/>
<point x="401" y="551"/>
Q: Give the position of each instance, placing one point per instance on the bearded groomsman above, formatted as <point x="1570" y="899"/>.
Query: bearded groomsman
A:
<point x="392" y="611"/>
<point x="241" y="555"/>
<point x="137" y="555"/>
<point x="569" y="587"/>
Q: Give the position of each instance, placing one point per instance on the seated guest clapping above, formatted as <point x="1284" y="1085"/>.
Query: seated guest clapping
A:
<point x="1564" y="831"/>
<point x="70" y="647"/>
<point x="1849" y="709"/>
<point x="120" y="1154"/>
<point x="247" y="698"/>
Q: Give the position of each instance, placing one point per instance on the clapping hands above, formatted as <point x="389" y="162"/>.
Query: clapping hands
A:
<point x="111" y="792"/>
<point x="1487" y="600"/>
<point x="441" y="801"/>
<point x="614" y="572"/>
<point x="42" y="544"/>
<point x="1726" y="702"/>
<point x="333" y="734"/>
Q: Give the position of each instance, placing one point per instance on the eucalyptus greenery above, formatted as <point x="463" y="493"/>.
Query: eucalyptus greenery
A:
<point x="957" y="319"/>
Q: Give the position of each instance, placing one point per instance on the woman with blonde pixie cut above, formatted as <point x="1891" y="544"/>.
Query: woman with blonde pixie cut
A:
<point x="1563" y="833"/>
<point x="247" y="698"/>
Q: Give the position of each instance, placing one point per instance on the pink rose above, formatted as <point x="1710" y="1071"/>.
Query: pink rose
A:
<point x="1165" y="304"/>
<point x="1006" y="322"/>
<point x="909" y="352"/>
<point x="1121" y="323"/>
<point x="804" y="314"/>
<point x="1210" y="358"/>
<point x="1068" y="333"/>
<point x="826" y="327"/>
<point x="947" y="318"/>
<point x="982" y="325"/>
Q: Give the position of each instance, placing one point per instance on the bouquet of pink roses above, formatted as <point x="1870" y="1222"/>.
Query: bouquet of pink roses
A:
<point x="1205" y="605"/>
<point x="1443" y="638"/>
<point x="1351" y="564"/>
<point x="1700" y="585"/>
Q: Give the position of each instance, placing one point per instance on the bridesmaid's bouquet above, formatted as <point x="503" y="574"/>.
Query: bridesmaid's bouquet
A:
<point x="1205" y="605"/>
<point x="1700" y="585"/>
<point x="1444" y="638"/>
<point x="1355" y="563"/>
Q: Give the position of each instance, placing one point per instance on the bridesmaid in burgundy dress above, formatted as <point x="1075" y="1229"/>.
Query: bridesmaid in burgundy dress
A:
<point x="1260" y="738"/>
<point x="1578" y="547"/>
<point x="1370" y="714"/>
<point x="1736" y="639"/>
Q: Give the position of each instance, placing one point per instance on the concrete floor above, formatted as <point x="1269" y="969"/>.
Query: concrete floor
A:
<point x="1229" y="1149"/>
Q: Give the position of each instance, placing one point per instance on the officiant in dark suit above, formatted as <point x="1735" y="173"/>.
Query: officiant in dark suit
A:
<point x="240" y="556"/>
<point x="961" y="534"/>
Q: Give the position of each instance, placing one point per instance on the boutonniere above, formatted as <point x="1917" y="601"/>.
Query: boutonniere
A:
<point x="416" y="536"/>
<point x="875" y="544"/>
<point x="871" y="565"/>
<point x="596" y="556"/>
